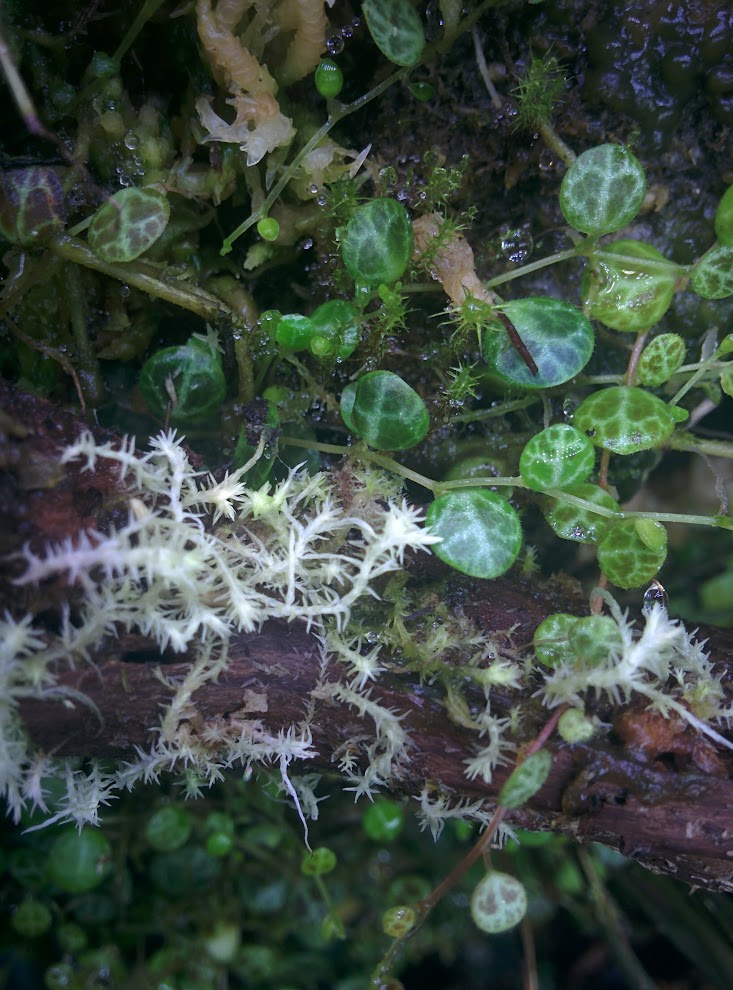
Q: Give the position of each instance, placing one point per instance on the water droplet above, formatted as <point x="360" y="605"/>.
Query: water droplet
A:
<point x="569" y="405"/>
<point x="356" y="22"/>
<point x="313" y="189"/>
<point x="517" y="244"/>
<point x="655" y="594"/>
<point x="335" y="44"/>
<point x="131" y="140"/>
<point x="347" y="31"/>
<point x="372" y="637"/>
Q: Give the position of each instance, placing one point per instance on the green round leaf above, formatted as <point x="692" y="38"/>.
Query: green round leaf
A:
<point x="480" y="532"/>
<point x="396" y="29"/>
<point x="377" y="243"/>
<point x="31" y="918"/>
<point x="712" y="276"/>
<point x="318" y="862"/>
<point x="188" y="378"/>
<point x="31" y="205"/>
<point x="329" y="79"/>
<point x="79" y="861"/>
<point x="294" y="331"/>
<point x="625" y="295"/>
<point x="602" y="190"/>
<point x="724" y="218"/>
<point x="593" y="638"/>
<point x="387" y="412"/>
<point x="661" y="358"/>
<point x="557" y="335"/>
<point x="575" y="727"/>
<point x="336" y="329"/>
<point x="556" y="457"/>
<point x="268" y="228"/>
<point x="384" y="820"/>
<point x="551" y="639"/>
<point x="498" y="903"/>
<point x="625" y="558"/>
<point x="625" y="419"/>
<point x="582" y="525"/>
<point x="168" y="828"/>
<point x="398" y="921"/>
<point x="128" y="224"/>
<point x="526" y="779"/>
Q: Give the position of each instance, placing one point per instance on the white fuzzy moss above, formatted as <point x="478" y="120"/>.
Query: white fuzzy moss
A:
<point x="199" y="560"/>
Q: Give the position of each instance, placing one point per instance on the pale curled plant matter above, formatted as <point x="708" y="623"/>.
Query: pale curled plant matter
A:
<point x="259" y="125"/>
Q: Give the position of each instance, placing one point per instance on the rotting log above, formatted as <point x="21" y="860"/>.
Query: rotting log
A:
<point x="648" y="786"/>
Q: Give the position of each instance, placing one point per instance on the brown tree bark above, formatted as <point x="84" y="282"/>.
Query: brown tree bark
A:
<point x="650" y="787"/>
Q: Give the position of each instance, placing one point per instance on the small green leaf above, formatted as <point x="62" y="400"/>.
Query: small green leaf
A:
<point x="551" y="639"/>
<point x="661" y="358"/>
<point x="387" y="412"/>
<point x="168" y="828"/>
<point x="625" y="558"/>
<point x="498" y="902"/>
<point x="625" y="419"/>
<point x="575" y="727"/>
<point x="128" y="224"/>
<point x="318" y="862"/>
<point x="79" y="861"/>
<point x="557" y="335"/>
<point x="652" y="534"/>
<point x="294" y="331"/>
<point x="556" y="457"/>
<point x="712" y="276"/>
<point x="593" y="638"/>
<point x="384" y="820"/>
<point x="525" y="780"/>
<point x="268" y="228"/>
<point x="31" y="205"/>
<point x="480" y="532"/>
<point x="396" y="29"/>
<point x="603" y="190"/>
<point x="399" y="921"/>
<point x="329" y="79"/>
<point x="377" y="243"/>
<point x="582" y="525"/>
<point x="626" y="295"/>
<point x="336" y="329"/>
<point x="724" y="218"/>
<point x="187" y="380"/>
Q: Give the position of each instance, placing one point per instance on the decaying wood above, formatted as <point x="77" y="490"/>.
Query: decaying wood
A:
<point x="649" y="787"/>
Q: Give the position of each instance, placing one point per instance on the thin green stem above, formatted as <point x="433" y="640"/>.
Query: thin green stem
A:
<point x="338" y="114"/>
<point x="534" y="266"/>
<point x="701" y="445"/>
<point x="147" y="11"/>
<point x="686" y="518"/>
<point x="479" y="415"/>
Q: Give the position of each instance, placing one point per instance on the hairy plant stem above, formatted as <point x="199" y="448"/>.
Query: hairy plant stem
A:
<point x="147" y="279"/>
<point x="438" y="487"/>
